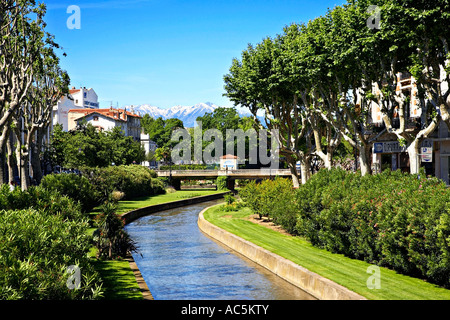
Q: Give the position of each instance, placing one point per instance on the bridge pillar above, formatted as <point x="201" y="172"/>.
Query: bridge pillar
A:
<point x="230" y="184"/>
<point x="176" y="184"/>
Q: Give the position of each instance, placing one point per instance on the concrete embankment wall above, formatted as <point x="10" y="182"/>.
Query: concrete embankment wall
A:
<point x="312" y="283"/>
<point x="141" y="212"/>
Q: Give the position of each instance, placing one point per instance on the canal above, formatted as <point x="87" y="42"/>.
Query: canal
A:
<point x="179" y="262"/>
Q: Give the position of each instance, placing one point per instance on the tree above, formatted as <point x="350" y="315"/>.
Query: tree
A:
<point x="22" y="43"/>
<point x="33" y="119"/>
<point x="411" y="38"/>
<point x="87" y="146"/>
<point x="258" y="82"/>
<point x="31" y="81"/>
<point x="232" y="127"/>
<point x="160" y="130"/>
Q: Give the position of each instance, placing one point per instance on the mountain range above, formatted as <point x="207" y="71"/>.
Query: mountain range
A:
<point x="187" y="114"/>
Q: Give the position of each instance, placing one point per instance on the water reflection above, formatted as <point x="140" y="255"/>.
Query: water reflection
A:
<point x="179" y="262"/>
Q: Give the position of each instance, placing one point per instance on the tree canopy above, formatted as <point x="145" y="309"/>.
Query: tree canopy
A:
<point x="88" y="147"/>
<point x="319" y="82"/>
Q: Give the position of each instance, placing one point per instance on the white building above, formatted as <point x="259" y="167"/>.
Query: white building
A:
<point x="150" y="147"/>
<point x="76" y="99"/>
<point x="107" y="119"/>
<point x="229" y="162"/>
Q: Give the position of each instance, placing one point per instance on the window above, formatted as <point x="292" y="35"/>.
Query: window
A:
<point x="95" y="118"/>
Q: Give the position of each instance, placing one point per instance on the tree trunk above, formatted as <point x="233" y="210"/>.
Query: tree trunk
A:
<point x="10" y="158"/>
<point x="305" y="167"/>
<point x="2" y="168"/>
<point x="414" y="160"/>
<point x="364" y="159"/>
<point x="22" y="162"/>
<point x="36" y="149"/>
<point x="3" y="140"/>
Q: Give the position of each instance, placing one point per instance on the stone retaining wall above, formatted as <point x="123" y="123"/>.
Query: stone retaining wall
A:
<point x="141" y="212"/>
<point x="312" y="283"/>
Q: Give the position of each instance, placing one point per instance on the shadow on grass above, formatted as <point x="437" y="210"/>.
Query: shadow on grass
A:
<point x="118" y="282"/>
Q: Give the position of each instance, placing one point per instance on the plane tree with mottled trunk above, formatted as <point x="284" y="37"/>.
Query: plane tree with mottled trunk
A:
<point x="411" y="38"/>
<point x="23" y="42"/>
<point x="258" y="83"/>
<point x="50" y="83"/>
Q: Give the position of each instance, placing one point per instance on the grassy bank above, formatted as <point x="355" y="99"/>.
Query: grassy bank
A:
<point x="119" y="280"/>
<point x="125" y="206"/>
<point x="347" y="272"/>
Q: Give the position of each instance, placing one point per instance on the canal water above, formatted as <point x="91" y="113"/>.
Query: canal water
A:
<point x="179" y="262"/>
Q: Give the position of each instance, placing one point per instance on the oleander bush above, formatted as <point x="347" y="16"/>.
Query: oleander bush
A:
<point x="133" y="180"/>
<point x="39" y="198"/>
<point x="393" y="219"/>
<point x="274" y="199"/>
<point x="74" y="186"/>
<point x="42" y="235"/>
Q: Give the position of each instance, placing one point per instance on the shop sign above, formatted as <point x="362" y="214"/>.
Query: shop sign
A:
<point x="388" y="147"/>
<point x="426" y="154"/>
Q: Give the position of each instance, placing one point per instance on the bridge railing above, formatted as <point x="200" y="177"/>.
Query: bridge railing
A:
<point x="254" y="172"/>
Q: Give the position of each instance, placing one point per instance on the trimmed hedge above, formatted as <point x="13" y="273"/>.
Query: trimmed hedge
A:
<point x="393" y="219"/>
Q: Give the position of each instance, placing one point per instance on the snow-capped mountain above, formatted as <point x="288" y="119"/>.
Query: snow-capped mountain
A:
<point x="187" y="114"/>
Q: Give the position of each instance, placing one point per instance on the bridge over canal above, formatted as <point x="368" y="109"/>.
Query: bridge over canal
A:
<point x="232" y="175"/>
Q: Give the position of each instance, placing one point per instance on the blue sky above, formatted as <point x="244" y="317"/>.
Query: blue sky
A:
<point x="166" y="52"/>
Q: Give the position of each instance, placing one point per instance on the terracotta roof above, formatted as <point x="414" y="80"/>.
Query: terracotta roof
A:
<point x="228" y="156"/>
<point x="117" y="114"/>
<point x="72" y="91"/>
<point x="104" y="115"/>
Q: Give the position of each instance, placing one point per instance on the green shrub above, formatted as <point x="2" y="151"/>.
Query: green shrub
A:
<point x="229" y="199"/>
<point x="133" y="180"/>
<point x="35" y="253"/>
<point x="110" y="238"/>
<point x="392" y="219"/>
<point x="41" y="199"/>
<point x="221" y="183"/>
<point x="74" y="186"/>
<point x="274" y="199"/>
<point x="250" y="196"/>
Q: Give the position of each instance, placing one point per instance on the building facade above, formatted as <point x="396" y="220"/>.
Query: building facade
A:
<point x="389" y="154"/>
<point x="106" y="120"/>
<point x="229" y="162"/>
<point x="76" y="99"/>
<point x="150" y="147"/>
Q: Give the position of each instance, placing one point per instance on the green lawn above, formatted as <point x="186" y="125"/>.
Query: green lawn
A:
<point x="128" y="205"/>
<point x="119" y="280"/>
<point x="347" y="272"/>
